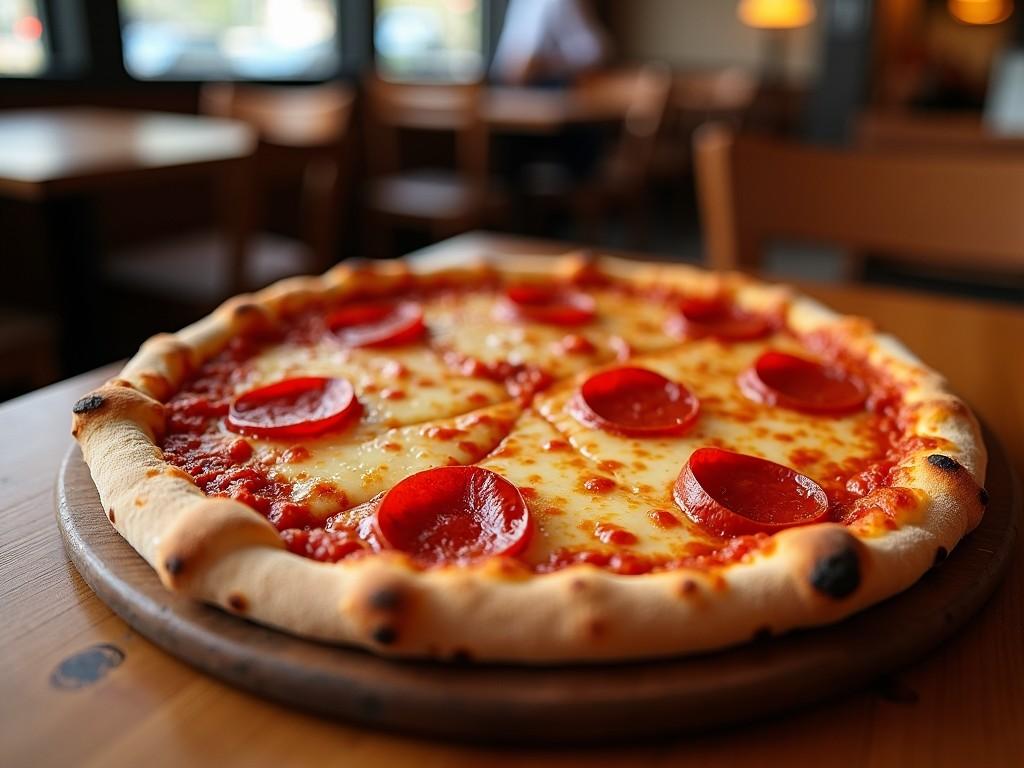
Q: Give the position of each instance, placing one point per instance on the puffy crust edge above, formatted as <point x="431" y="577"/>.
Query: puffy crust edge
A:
<point x="221" y="552"/>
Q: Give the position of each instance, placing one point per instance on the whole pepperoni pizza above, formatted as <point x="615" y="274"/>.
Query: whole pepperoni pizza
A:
<point x="533" y="459"/>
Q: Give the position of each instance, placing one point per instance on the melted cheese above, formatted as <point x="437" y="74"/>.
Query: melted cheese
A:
<point x="588" y="490"/>
<point x="649" y="466"/>
<point x="396" y="386"/>
<point x="351" y="467"/>
<point x="468" y="325"/>
<point x="573" y="503"/>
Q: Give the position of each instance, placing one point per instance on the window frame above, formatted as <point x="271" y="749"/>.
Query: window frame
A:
<point x="84" y="46"/>
<point x="349" y="39"/>
<point x="492" y="16"/>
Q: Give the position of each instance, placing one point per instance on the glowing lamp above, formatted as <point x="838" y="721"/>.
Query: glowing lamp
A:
<point x="776" y="14"/>
<point x="981" y="11"/>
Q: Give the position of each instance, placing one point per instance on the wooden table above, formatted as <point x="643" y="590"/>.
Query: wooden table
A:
<point x="59" y="158"/>
<point x="962" y="705"/>
<point x="45" y="153"/>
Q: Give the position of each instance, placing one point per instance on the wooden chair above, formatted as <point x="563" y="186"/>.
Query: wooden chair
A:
<point x="623" y="178"/>
<point x="302" y="132"/>
<point x="698" y="97"/>
<point x="442" y="200"/>
<point x="922" y="132"/>
<point x="950" y="210"/>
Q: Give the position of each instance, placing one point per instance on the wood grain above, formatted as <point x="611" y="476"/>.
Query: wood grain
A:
<point x="963" y="704"/>
<point x="554" y="705"/>
<point x="952" y="209"/>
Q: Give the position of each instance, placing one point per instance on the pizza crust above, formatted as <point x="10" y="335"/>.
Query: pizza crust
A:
<point x="222" y="552"/>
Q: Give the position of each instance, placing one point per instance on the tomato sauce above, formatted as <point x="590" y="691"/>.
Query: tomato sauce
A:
<point x="224" y="464"/>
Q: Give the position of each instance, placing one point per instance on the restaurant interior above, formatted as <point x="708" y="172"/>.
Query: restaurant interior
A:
<point x="159" y="156"/>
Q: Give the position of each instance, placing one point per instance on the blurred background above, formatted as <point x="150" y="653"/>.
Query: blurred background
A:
<point x="158" y="156"/>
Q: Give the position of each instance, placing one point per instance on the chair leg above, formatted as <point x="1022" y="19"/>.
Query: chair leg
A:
<point x="587" y="209"/>
<point x="638" y="220"/>
<point x="379" y="242"/>
<point x="240" y="204"/>
<point x="320" y="193"/>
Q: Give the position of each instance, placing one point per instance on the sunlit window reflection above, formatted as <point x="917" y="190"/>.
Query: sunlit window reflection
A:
<point x="205" y="39"/>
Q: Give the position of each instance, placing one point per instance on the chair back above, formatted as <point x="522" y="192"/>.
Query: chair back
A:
<point x="287" y="116"/>
<point x="644" y="95"/>
<point x="951" y="210"/>
<point x="931" y="132"/>
<point x="303" y="134"/>
<point x="450" y="108"/>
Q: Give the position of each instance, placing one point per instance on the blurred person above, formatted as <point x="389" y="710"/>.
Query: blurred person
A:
<point x="548" y="43"/>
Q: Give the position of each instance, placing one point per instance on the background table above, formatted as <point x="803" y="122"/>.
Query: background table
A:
<point x="82" y="688"/>
<point x="59" y="158"/>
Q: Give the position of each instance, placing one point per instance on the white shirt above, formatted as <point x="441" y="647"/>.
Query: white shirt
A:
<point x="560" y="33"/>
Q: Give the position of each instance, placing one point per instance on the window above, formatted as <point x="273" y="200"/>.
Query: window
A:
<point x="230" y="39"/>
<point x="429" y="39"/>
<point x="22" y="41"/>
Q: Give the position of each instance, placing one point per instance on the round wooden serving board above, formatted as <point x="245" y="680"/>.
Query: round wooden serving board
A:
<point x="517" y="704"/>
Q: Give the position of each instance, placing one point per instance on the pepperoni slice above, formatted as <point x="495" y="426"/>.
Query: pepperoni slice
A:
<point x="301" y="407"/>
<point x="548" y="304"/>
<point x="377" y="324"/>
<point x="454" y="515"/>
<point x="733" y="494"/>
<point x="635" y="401"/>
<point x="802" y="385"/>
<point x="721" y="319"/>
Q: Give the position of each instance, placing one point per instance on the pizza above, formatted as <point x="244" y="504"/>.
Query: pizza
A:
<point x="533" y="459"/>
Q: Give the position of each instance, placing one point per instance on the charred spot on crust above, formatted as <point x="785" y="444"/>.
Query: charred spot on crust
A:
<point x="462" y="655"/>
<point x="596" y="628"/>
<point x="110" y="514"/>
<point x="238" y="602"/>
<point x="87" y="403"/>
<point x="983" y="497"/>
<point x="940" y="554"/>
<point x="386" y="599"/>
<point x="174" y="565"/>
<point x="247" y="309"/>
<point x="688" y="587"/>
<point x="578" y="585"/>
<point x="837" y="575"/>
<point x="385" y="634"/>
<point x="761" y="634"/>
<point x="945" y="463"/>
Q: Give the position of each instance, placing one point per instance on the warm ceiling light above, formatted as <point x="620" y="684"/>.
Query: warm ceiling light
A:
<point x="776" y="14"/>
<point x="981" y="11"/>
